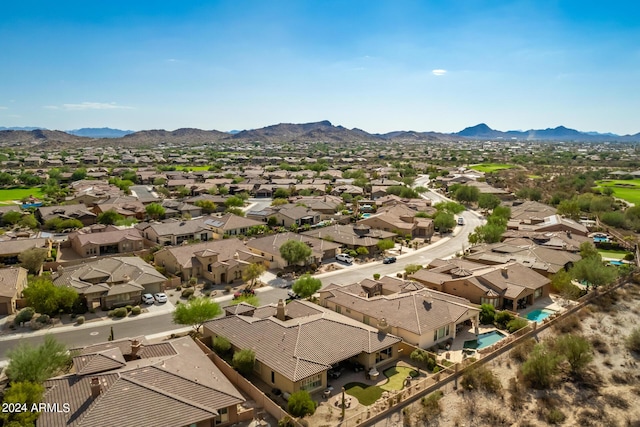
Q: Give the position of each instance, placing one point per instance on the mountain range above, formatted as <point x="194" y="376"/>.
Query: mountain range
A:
<point x="286" y="133"/>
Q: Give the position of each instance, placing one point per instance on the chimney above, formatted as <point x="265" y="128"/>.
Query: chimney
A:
<point x="96" y="388"/>
<point x="135" y="348"/>
<point x="505" y="272"/>
<point x="280" y="314"/>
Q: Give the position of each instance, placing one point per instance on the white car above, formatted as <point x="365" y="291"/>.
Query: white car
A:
<point x="345" y="258"/>
<point x="148" y="299"/>
<point x="161" y="297"/>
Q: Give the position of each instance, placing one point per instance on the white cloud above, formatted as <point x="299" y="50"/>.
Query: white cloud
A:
<point x="438" y="72"/>
<point x="88" y="106"/>
<point x="14" y="116"/>
<point x="3" y="108"/>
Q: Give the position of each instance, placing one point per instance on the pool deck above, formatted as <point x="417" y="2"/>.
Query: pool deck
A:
<point x="552" y="303"/>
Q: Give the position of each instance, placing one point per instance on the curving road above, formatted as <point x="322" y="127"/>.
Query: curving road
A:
<point x="162" y="323"/>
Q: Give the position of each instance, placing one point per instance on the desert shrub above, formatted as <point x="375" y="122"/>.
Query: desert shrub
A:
<point x="178" y="288"/>
<point x="207" y="293"/>
<point x="221" y="345"/>
<point x="502" y="318"/>
<point x="616" y="401"/>
<point x="376" y="276"/>
<point x="111" y="313"/>
<point x="43" y="318"/>
<point x="541" y="367"/>
<point x="285" y="421"/>
<point x="24" y="315"/>
<point x="431" y="406"/>
<point x="136" y="310"/>
<point x="633" y="341"/>
<point x="555" y="416"/>
<point x="186" y="293"/>
<point x="35" y="325"/>
<point x="481" y="378"/>
<point x="300" y="404"/>
<point x="568" y="325"/>
<point x="516" y="398"/>
<point x="522" y="351"/>
<point x="80" y="320"/>
<point x="227" y="289"/>
<point x="120" y="312"/>
<point x="128" y="307"/>
<point x="516" y="325"/>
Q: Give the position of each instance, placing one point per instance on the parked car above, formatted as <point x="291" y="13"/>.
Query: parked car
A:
<point x="292" y="294"/>
<point x="389" y="260"/>
<point x="148" y="299"/>
<point x="161" y="297"/>
<point x="334" y="374"/>
<point x="347" y="259"/>
<point x="460" y="220"/>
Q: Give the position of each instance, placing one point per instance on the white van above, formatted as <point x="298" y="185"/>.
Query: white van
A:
<point x="345" y="258"/>
<point x="460" y="220"/>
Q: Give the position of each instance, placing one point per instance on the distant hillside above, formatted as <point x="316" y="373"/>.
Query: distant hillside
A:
<point x="21" y="128"/>
<point x="560" y="133"/>
<point x="99" y="132"/>
<point x="285" y="133"/>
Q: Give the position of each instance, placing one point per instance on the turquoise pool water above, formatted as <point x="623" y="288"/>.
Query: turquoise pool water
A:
<point x="484" y="340"/>
<point x="366" y="215"/>
<point x="539" y="315"/>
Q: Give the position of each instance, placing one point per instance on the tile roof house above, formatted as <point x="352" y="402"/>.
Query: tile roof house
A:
<point x="288" y="215"/>
<point x="176" y="232"/>
<point x="133" y="383"/>
<point x="10" y="249"/>
<point x="12" y="281"/>
<point x="507" y="286"/>
<point x="544" y="260"/>
<point x="77" y="211"/>
<point x="108" y="242"/>
<point x="230" y="225"/>
<point x="295" y="345"/>
<point x="400" y="219"/>
<point x="218" y="261"/>
<point x="111" y="282"/>
<point x="351" y="236"/>
<point x="548" y="224"/>
<point x="269" y="248"/>
<point x="420" y="316"/>
<point x="129" y="207"/>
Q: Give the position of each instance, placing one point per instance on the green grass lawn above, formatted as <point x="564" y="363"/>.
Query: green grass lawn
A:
<point x="19" y="193"/>
<point x="608" y="253"/>
<point x="490" y="167"/>
<point x="366" y="394"/>
<point x="626" y="189"/>
<point x="396" y="376"/>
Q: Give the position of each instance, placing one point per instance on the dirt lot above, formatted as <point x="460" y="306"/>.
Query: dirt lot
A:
<point x="606" y="394"/>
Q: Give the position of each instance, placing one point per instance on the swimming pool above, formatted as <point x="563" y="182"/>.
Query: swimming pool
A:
<point x="484" y="340"/>
<point x="366" y="215"/>
<point x="616" y="262"/>
<point x="538" y="315"/>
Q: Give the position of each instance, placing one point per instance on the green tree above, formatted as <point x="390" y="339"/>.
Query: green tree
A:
<point x="561" y="283"/>
<point x="234" y="202"/>
<point x="32" y="259"/>
<point x="362" y="251"/>
<point x="488" y="201"/>
<point x="487" y="314"/>
<point x="422" y="357"/>
<point x="246" y="299"/>
<point x="47" y="298"/>
<point x="576" y="350"/>
<point x="37" y="364"/>
<point x="632" y="342"/>
<point x="109" y="217"/>
<point x="588" y="250"/>
<point x="78" y="174"/>
<point x="593" y="271"/>
<point x="235" y="211"/>
<point x="306" y="286"/>
<point x="444" y="221"/>
<point x="385" y="244"/>
<point x="300" y="404"/>
<point x="252" y="272"/>
<point x="412" y="268"/>
<point x="541" y="367"/>
<point x="466" y="194"/>
<point x="196" y="312"/>
<point x="295" y="251"/>
<point x="244" y="360"/>
<point x="155" y="211"/>
<point x="569" y="208"/>
<point x="279" y="202"/>
<point x="23" y="393"/>
<point x="207" y="206"/>
<point x="281" y="193"/>
<point x="11" y="217"/>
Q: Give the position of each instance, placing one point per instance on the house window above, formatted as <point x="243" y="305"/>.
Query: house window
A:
<point x="273" y="377"/>
<point x="223" y="416"/>
<point x="312" y="382"/>
<point x="384" y="354"/>
<point x="366" y="320"/>
<point x="439" y="333"/>
<point x="338" y="309"/>
<point x="537" y="293"/>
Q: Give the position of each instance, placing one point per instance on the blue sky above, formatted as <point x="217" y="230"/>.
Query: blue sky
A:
<point x="375" y="65"/>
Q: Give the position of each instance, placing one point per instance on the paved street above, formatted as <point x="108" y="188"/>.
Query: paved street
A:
<point x="161" y="323"/>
